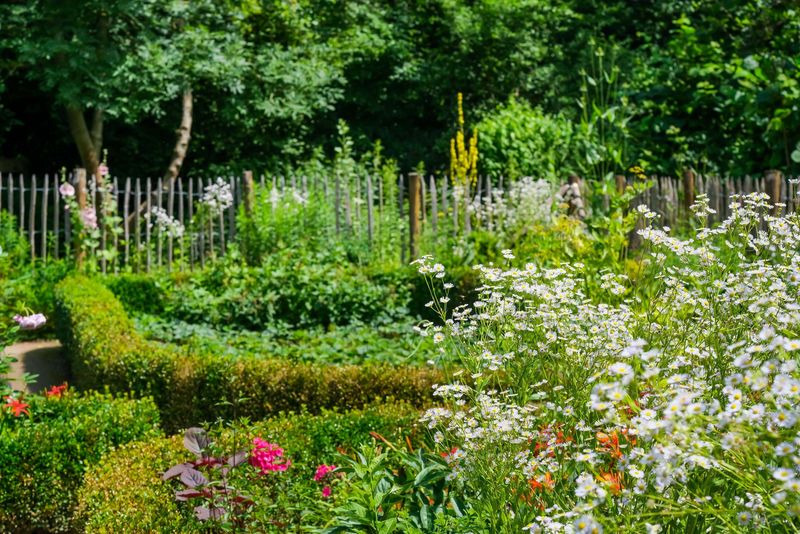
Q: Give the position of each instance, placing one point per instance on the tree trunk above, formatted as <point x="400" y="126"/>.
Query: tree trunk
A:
<point x="183" y="133"/>
<point x="83" y="139"/>
<point x="96" y="132"/>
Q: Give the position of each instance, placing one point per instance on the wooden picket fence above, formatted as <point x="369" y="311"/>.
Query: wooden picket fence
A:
<point x="671" y="197"/>
<point x="422" y="204"/>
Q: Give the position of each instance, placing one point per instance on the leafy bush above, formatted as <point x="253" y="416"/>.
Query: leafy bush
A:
<point x="30" y="286"/>
<point x="125" y="492"/>
<point x="137" y="292"/>
<point x="300" y="291"/>
<point x="191" y="387"/>
<point x="43" y="456"/>
<point x="13" y="248"/>
<point x="519" y="140"/>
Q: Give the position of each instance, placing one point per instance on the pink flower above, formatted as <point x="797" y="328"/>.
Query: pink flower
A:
<point x="89" y="218"/>
<point x="322" y="471"/>
<point x="66" y="190"/>
<point x="102" y="169"/>
<point x="326" y="492"/>
<point x="268" y="457"/>
<point x="30" y="322"/>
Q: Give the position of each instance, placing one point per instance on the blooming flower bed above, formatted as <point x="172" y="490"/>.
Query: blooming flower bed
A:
<point x="669" y="404"/>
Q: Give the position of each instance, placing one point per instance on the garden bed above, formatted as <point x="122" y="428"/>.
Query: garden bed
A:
<point x="125" y="491"/>
<point x="192" y="386"/>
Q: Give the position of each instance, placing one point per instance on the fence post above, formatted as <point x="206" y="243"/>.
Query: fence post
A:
<point x="688" y="189"/>
<point x="32" y="218"/>
<point x="773" y="179"/>
<point x="370" y="215"/>
<point x="249" y="193"/>
<point x="621" y="182"/>
<point x="414" y="192"/>
<point x="80" y="179"/>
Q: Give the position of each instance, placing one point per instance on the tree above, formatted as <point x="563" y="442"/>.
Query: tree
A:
<point x="124" y="59"/>
<point x="72" y="48"/>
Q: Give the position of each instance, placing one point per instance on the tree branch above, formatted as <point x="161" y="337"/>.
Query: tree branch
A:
<point x="184" y="133"/>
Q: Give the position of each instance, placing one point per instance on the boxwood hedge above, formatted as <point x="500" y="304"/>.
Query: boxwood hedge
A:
<point x="43" y="456"/>
<point x="190" y="387"/>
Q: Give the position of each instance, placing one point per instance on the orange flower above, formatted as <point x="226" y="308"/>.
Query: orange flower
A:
<point x="547" y="483"/>
<point x="610" y="443"/>
<point x="612" y="480"/>
<point x="56" y="391"/>
<point x="17" y="406"/>
<point x="451" y="452"/>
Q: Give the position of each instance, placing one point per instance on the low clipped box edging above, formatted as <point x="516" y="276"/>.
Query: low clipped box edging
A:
<point x="43" y="456"/>
<point x="105" y="351"/>
<point x="124" y="492"/>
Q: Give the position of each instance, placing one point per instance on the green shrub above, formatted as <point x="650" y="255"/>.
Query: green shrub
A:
<point x="191" y="387"/>
<point x="43" y="457"/>
<point x="124" y="492"/>
<point x="518" y="140"/>
<point x="13" y="248"/>
<point x="30" y="287"/>
<point x="137" y="292"/>
<point x="300" y="290"/>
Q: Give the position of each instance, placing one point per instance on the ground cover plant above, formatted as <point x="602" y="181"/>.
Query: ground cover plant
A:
<point x="395" y="343"/>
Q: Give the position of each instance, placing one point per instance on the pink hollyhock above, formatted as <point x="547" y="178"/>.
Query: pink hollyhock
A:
<point x="102" y="169"/>
<point x="17" y="406"/>
<point x="30" y="322"/>
<point x="268" y="457"/>
<point x="322" y="471"/>
<point x="326" y="492"/>
<point x="66" y="190"/>
<point x="89" y="218"/>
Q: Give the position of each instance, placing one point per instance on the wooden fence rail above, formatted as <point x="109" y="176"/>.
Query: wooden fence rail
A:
<point x="359" y="205"/>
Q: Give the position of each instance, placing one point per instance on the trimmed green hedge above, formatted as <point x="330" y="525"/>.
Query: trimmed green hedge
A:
<point x="124" y="492"/>
<point x="43" y="457"/>
<point x="105" y="351"/>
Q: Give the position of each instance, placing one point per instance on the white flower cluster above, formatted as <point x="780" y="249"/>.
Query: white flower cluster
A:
<point x="218" y="196"/>
<point x="169" y="226"/>
<point x="289" y="196"/>
<point x="681" y="399"/>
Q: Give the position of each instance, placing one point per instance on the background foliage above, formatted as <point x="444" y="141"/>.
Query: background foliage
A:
<point x="711" y="84"/>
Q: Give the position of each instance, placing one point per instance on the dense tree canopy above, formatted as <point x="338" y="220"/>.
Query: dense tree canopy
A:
<point x="714" y="85"/>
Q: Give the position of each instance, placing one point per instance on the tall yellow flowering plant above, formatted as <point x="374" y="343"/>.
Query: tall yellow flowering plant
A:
<point x="463" y="161"/>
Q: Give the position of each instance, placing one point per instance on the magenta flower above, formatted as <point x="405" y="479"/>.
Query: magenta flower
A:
<point x="326" y="492"/>
<point x="89" y="218"/>
<point x="30" y="322"/>
<point x="268" y="457"/>
<point x="102" y="169"/>
<point x="66" y="190"/>
<point x="322" y="472"/>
